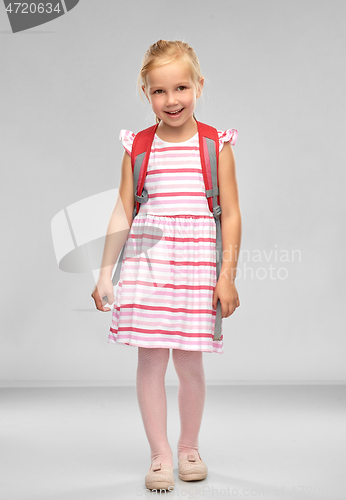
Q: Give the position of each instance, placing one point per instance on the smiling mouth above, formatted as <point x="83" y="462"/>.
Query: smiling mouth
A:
<point x="174" y="112"/>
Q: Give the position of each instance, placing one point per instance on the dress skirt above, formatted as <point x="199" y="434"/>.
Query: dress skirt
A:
<point x="166" y="285"/>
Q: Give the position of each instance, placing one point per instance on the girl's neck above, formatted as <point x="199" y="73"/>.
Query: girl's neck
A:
<point x="177" y="134"/>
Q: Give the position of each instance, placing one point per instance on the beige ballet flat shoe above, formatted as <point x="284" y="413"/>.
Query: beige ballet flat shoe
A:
<point x="160" y="477"/>
<point x="192" y="469"/>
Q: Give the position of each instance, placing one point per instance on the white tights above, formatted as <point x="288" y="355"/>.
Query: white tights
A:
<point x="151" y="395"/>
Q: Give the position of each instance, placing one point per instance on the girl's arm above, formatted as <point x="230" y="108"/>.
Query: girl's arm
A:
<point x="230" y="231"/>
<point x="120" y="221"/>
<point x="230" y="212"/>
<point x="117" y="232"/>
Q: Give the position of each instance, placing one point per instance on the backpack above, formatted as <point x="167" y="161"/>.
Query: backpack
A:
<point x="209" y="153"/>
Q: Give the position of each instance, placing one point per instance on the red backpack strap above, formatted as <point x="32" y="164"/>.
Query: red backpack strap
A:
<point x="140" y="153"/>
<point x="206" y="131"/>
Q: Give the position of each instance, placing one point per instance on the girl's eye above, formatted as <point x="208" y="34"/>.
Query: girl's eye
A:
<point x="181" y="87"/>
<point x="158" y="91"/>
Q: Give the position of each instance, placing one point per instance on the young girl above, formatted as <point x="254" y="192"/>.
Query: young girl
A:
<point x="167" y="293"/>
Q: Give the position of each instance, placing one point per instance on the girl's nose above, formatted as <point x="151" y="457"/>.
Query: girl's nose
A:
<point x="171" y="99"/>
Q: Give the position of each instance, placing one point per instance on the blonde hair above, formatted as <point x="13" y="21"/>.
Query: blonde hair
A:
<point x="167" y="51"/>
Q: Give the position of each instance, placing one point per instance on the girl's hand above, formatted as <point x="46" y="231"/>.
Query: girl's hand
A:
<point x="103" y="293"/>
<point x="226" y="291"/>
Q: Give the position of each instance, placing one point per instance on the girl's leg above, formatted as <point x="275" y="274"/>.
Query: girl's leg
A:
<point x="191" y="398"/>
<point x="151" y="395"/>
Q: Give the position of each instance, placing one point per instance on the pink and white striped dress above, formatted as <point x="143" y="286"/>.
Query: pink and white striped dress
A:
<point x="168" y="275"/>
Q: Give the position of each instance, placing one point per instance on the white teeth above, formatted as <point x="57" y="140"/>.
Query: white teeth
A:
<point x="174" y="112"/>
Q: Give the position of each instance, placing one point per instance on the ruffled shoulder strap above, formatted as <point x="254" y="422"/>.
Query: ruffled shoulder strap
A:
<point x="227" y="135"/>
<point x="126" y="136"/>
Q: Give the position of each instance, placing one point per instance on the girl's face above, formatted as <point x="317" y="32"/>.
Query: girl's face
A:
<point x="172" y="93"/>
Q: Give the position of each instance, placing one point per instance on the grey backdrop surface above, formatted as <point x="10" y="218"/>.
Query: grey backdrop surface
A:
<point x="275" y="71"/>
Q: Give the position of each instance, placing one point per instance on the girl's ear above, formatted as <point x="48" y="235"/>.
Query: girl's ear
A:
<point x="146" y="95"/>
<point x="199" y="91"/>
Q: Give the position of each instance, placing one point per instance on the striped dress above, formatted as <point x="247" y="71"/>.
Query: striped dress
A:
<point x="167" y="279"/>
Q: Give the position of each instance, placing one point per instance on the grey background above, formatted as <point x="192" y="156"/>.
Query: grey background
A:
<point x="275" y="71"/>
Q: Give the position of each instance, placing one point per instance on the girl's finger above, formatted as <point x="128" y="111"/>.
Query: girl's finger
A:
<point x="230" y="311"/>
<point x="224" y="312"/>
<point x="106" y="300"/>
<point x="214" y="302"/>
<point x="98" y="302"/>
<point x="103" y="304"/>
